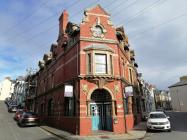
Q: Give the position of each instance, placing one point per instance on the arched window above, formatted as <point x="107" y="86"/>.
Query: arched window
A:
<point x="100" y="95"/>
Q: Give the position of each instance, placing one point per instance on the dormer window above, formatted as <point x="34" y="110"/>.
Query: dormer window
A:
<point x="126" y="48"/>
<point x="119" y="36"/>
<point x="132" y="58"/>
<point x="136" y="65"/>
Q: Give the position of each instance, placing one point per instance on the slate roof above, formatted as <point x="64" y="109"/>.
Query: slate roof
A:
<point x="181" y="83"/>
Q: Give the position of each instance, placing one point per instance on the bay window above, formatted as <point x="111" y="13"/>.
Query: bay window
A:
<point x="100" y="63"/>
<point x="99" y="59"/>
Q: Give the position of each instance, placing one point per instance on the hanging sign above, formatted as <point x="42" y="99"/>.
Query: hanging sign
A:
<point x="68" y="92"/>
<point x="128" y="91"/>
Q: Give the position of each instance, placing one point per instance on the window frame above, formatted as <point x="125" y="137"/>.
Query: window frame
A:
<point x="91" y="64"/>
<point x="50" y="107"/>
<point x="101" y="64"/>
<point x="131" y="75"/>
<point x="70" y="104"/>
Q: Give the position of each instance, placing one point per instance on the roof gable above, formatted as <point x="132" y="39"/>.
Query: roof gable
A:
<point x="97" y="10"/>
<point x="181" y="83"/>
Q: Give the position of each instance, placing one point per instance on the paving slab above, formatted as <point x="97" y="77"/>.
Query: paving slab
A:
<point x="137" y="133"/>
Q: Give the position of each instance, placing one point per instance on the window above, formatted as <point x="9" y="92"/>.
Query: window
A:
<point x="137" y="105"/>
<point x="50" y="107"/>
<point x="111" y="65"/>
<point x="126" y="105"/>
<point x="100" y="63"/>
<point x="123" y="67"/>
<point x="42" y="107"/>
<point x="143" y="105"/>
<point x="69" y="106"/>
<point x="130" y="74"/>
<point x="157" y="116"/>
<point x="52" y="83"/>
<point x="44" y="85"/>
<point x="89" y="63"/>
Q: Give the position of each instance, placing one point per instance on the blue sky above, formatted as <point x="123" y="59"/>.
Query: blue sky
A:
<point x="156" y="31"/>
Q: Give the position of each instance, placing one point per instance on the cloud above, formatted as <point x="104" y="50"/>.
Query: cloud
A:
<point x="163" y="77"/>
<point x="161" y="49"/>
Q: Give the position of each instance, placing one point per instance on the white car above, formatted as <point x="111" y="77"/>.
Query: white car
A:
<point x="158" y="121"/>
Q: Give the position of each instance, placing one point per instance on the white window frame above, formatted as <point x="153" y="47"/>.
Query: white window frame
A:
<point x="101" y="64"/>
<point x="109" y="63"/>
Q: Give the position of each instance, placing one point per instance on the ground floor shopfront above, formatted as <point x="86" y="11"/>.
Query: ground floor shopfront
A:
<point x="94" y="106"/>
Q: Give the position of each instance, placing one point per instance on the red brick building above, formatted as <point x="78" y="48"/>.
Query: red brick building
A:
<point x="81" y="82"/>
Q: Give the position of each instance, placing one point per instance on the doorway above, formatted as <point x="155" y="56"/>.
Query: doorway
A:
<point x="101" y="110"/>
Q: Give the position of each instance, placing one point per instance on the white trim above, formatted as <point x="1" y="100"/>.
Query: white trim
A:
<point x="87" y="13"/>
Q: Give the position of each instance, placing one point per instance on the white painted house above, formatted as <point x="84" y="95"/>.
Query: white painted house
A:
<point x="6" y="88"/>
<point x="178" y="93"/>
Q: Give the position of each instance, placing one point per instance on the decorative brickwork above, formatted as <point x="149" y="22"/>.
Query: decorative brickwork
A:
<point x="93" y="58"/>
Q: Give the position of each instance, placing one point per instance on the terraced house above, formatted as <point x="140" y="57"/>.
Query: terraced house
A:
<point x="82" y="80"/>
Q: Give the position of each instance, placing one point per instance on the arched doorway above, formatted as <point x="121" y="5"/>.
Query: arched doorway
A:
<point x="101" y="110"/>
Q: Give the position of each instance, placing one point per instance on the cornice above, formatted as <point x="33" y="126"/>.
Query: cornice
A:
<point x="98" y="77"/>
<point x="110" y="41"/>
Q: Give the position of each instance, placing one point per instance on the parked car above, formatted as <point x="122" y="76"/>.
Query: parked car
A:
<point x="28" y="119"/>
<point x="161" y="110"/>
<point x="18" y="114"/>
<point x="158" y="121"/>
<point x="12" y="108"/>
<point x="11" y="102"/>
<point x="7" y="99"/>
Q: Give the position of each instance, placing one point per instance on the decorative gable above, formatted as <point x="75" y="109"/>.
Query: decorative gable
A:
<point x="96" y="24"/>
<point x="96" y="10"/>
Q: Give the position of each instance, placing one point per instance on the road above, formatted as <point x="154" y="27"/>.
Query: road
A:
<point x="9" y="130"/>
<point x="179" y="128"/>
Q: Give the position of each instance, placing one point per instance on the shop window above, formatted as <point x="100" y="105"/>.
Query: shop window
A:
<point x="126" y="105"/>
<point x="100" y="64"/>
<point x="69" y="106"/>
<point x="138" y="105"/>
<point x="143" y="105"/>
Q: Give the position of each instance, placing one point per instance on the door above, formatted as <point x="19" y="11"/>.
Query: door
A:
<point x="107" y="116"/>
<point x="101" y="116"/>
<point x="96" y="112"/>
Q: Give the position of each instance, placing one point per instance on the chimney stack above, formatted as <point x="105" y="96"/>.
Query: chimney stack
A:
<point x="63" y="21"/>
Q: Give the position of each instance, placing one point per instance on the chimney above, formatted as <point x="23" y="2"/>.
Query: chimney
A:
<point x="183" y="78"/>
<point x="63" y="20"/>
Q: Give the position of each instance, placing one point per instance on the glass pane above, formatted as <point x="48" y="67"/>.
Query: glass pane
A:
<point x="100" y="68"/>
<point x="100" y="58"/>
<point x="89" y="63"/>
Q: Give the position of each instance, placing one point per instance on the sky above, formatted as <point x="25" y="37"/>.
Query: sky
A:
<point x="156" y="30"/>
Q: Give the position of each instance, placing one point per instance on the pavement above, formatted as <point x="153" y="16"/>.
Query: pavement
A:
<point x="138" y="132"/>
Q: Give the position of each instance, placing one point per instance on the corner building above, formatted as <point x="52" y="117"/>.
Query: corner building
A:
<point x="81" y="80"/>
